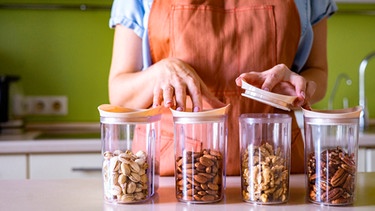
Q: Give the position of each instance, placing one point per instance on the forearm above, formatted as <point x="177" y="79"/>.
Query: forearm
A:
<point x="316" y="67"/>
<point x="319" y="76"/>
<point x="129" y="85"/>
<point x="132" y="90"/>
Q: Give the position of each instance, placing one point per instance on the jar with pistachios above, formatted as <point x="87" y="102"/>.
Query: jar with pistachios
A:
<point x="129" y="145"/>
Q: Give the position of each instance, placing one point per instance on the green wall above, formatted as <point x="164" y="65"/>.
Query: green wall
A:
<point x="351" y="36"/>
<point x="59" y="52"/>
<point x="68" y="52"/>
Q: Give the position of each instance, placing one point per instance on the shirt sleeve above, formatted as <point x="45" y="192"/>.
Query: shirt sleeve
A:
<point x="129" y="13"/>
<point x="321" y="9"/>
<point x="311" y="12"/>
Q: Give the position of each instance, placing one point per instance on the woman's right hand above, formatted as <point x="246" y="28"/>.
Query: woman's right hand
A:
<point x="176" y="80"/>
<point x="167" y="82"/>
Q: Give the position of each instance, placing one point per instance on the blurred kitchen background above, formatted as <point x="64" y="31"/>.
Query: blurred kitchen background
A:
<point x="64" y="52"/>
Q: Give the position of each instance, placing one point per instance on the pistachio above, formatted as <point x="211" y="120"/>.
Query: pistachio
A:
<point x="125" y="169"/>
<point x="122" y="179"/>
<point x="116" y="190"/>
<point x="130" y="188"/>
<point x="114" y="164"/>
<point x="125" y="176"/>
<point x="135" y="177"/>
<point x="134" y="167"/>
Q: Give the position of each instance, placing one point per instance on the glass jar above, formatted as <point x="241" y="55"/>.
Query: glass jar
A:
<point x="200" y="147"/>
<point x="130" y="141"/>
<point x="331" y="149"/>
<point x="265" y="141"/>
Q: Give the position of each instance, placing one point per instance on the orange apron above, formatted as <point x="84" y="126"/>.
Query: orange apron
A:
<point x="221" y="39"/>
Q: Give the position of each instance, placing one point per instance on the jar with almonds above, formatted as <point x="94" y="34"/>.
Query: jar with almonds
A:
<point x="265" y="157"/>
<point x="200" y="146"/>
<point x="331" y="148"/>
<point x="130" y="140"/>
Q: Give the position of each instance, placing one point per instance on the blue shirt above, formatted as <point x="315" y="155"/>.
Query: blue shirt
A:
<point x="134" y="14"/>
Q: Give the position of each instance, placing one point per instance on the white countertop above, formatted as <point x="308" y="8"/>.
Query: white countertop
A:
<point x="87" y="194"/>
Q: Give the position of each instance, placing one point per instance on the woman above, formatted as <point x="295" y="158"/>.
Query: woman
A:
<point x="195" y="53"/>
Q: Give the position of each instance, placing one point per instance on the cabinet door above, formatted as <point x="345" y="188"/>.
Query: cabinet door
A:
<point x="55" y="166"/>
<point x="13" y="167"/>
<point x="361" y="160"/>
<point x="370" y="160"/>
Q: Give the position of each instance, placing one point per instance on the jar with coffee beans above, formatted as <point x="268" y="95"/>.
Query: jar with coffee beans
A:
<point x="331" y="150"/>
<point x="200" y="146"/>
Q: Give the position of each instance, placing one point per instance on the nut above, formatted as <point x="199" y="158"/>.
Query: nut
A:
<point x="206" y="161"/>
<point x="125" y="176"/>
<point x="332" y="194"/>
<point x="331" y="177"/>
<point x="264" y="174"/>
<point x="339" y="178"/>
<point x="199" y="176"/>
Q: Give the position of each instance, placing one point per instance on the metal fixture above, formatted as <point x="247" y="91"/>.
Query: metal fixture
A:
<point x="363" y="122"/>
<point x="335" y="87"/>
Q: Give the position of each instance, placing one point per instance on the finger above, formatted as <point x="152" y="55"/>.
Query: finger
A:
<point x="195" y="94"/>
<point x="305" y="101"/>
<point x="253" y="78"/>
<point x="299" y="84"/>
<point x="157" y="98"/>
<point x="273" y="76"/>
<point x="180" y="95"/>
<point x="168" y="95"/>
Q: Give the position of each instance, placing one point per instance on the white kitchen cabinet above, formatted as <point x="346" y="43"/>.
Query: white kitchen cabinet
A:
<point x="13" y="167"/>
<point x="370" y="159"/>
<point x="361" y="160"/>
<point x="59" y="166"/>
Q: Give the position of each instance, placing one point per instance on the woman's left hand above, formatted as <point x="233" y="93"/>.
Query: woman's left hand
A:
<point x="280" y="79"/>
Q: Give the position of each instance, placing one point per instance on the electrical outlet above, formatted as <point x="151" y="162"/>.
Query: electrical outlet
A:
<point x="46" y="105"/>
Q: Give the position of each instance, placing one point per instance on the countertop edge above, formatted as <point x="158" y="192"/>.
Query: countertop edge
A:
<point x="50" y="146"/>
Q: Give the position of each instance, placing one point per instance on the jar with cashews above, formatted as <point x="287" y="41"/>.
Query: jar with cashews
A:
<point x="129" y="144"/>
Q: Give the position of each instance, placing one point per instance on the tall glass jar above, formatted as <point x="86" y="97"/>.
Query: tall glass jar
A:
<point x="265" y="141"/>
<point x="331" y="142"/>
<point x="130" y="141"/>
<point x="200" y="152"/>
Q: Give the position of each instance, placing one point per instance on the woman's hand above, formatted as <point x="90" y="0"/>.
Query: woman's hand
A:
<point x="176" y="80"/>
<point x="280" y="79"/>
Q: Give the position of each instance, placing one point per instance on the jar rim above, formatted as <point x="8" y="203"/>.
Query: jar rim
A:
<point x="265" y="117"/>
<point x="346" y="113"/>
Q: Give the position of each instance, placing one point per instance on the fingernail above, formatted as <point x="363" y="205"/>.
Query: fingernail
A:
<point x="179" y="109"/>
<point x="196" y="109"/>
<point x="303" y="94"/>
<point x="266" y="89"/>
